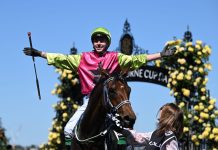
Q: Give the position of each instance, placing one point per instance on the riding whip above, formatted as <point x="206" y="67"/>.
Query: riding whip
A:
<point x="37" y="82"/>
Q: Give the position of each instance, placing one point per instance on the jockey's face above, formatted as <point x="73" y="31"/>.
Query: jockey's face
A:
<point x="100" y="44"/>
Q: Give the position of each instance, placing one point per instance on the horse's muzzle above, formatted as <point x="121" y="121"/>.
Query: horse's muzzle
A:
<point x="128" y="122"/>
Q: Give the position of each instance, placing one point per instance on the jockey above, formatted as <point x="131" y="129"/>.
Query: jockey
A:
<point x="86" y="65"/>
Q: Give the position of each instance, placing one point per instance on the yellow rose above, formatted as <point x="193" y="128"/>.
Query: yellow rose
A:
<point x="181" y="49"/>
<point x="193" y="137"/>
<point x="182" y="68"/>
<point x="197" y="143"/>
<point x="199" y="53"/>
<point x="216" y="112"/>
<point x="204" y="115"/>
<point x="203" y="89"/>
<point x="189" y="72"/>
<point x="203" y="98"/>
<point x="206" y="110"/>
<point x="63" y="107"/>
<point x="59" y="90"/>
<point x="208" y="49"/>
<point x="208" y="66"/>
<point x="174" y="82"/>
<point x="211" y="136"/>
<point x="68" y="99"/>
<point x="215" y="131"/>
<point x="199" y="42"/>
<point x="181" y="61"/>
<point x="188" y="77"/>
<point x="176" y="93"/>
<point x="190" y="67"/>
<point x="205" y="81"/>
<point x="185" y="129"/>
<point x="185" y="92"/>
<point x="216" y="139"/>
<point x="195" y="83"/>
<point x="205" y="134"/>
<point x="196" y="107"/>
<point x="196" y="118"/>
<point x="210" y="107"/>
<point x="188" y="44"/>
<point x="64" y="75"/>
<point x="75" y="106"/>
<point x="195" y="68"/>
<point x="67" y="71"/>
<point x="191" y="49"/>
<point x="212" y="116"/>
<point x="180" y="76"/>
<point x="181" y="104"/>
<point x="53" y="92"/>
<point x="69" y="76"/>
<point x="198" y="61"/>
<point x="198" y="79"/>
<point x="189" y="115"/>
<point x="200" y="137"/>
<point x="201" y="70"/>
<point x="198" y="47"/>
<point x="201" y="107"/>
<point x="58" y="141"/>
<point x="212" y="101"/>
<point x="65" y="115"/>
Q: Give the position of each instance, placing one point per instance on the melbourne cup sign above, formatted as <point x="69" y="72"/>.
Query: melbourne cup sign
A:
<point x="150" y="74"/>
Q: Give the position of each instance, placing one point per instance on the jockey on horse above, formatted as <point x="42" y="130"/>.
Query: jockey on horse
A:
<point x="86" y="64"/>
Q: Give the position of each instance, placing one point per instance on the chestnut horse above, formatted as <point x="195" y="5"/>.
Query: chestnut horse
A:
<point x="110" y="96"/>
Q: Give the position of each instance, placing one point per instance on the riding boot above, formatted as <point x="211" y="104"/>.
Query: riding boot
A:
<point x="68" y="142"/>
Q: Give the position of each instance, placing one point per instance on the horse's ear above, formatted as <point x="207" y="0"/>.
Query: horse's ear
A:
<point x="102" y="72"/>
<point x="124" y="73"/>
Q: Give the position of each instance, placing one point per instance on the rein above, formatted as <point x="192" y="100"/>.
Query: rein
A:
<point x="113" y="110"/>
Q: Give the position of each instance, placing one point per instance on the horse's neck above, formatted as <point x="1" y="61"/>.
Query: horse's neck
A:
<point x="94" y="116"/>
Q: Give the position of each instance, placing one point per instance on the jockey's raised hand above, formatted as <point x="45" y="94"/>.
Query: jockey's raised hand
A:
<point x="34" y="52"/>
<point x="168" y="51"/>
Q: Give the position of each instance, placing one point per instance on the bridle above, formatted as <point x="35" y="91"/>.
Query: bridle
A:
<point x="112" y="111"/>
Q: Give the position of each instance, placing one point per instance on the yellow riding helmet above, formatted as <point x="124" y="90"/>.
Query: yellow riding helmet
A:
<point x="101" y="31"/>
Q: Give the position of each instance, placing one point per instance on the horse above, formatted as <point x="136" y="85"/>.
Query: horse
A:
<point x="110" y="96"/>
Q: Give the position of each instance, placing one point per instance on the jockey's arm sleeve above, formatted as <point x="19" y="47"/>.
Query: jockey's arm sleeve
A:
<point x="131" y="62"/>
<point x="69" y="62"/>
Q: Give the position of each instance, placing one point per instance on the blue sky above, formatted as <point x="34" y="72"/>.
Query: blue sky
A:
<point x="56" y="25"/>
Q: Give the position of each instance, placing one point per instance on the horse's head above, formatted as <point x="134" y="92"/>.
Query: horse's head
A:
<point x="116" y="98"/>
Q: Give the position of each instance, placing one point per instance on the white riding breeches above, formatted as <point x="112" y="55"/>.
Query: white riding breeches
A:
<point x="68" y="129"/>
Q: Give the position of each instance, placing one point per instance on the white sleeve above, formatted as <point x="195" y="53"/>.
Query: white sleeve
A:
<point x="138" y="138"/>
<point x="172" y="145"/>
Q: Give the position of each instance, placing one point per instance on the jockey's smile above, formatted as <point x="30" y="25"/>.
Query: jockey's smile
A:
<point x="100" y="44"/>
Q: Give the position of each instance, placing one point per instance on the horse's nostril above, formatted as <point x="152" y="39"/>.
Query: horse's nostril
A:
<point x="129" y="121"/>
